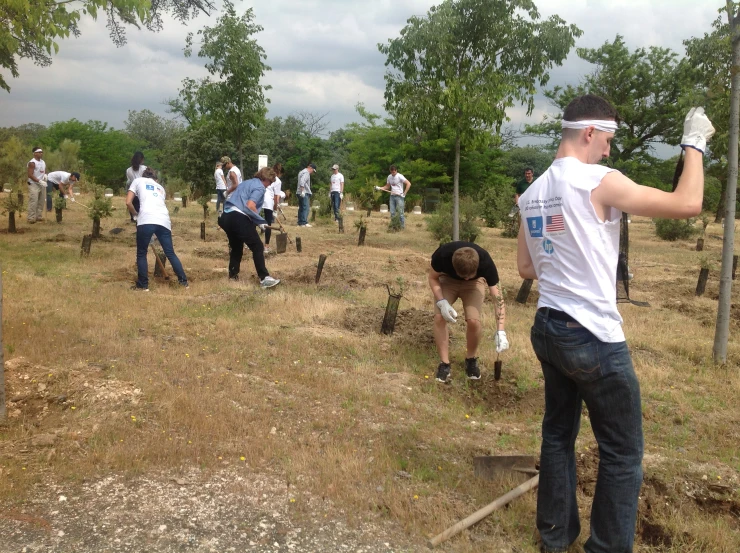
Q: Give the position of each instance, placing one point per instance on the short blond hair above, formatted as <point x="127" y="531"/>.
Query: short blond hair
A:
<point x="266" y="173"/>
<point x="465" y="262"/>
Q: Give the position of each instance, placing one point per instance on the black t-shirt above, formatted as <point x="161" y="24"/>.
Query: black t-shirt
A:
<point x="442" y="262"/>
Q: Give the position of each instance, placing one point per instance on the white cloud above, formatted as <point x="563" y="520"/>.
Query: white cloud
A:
<point x="323" y="54"/>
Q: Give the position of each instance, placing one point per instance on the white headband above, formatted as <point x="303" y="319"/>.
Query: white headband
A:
<point x="598" y="124"/>
<point x="37" y="150"/>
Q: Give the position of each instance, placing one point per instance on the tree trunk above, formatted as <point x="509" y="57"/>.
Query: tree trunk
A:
<point x="241" y="158"/>
<point x="20" y="199"/>
<point x="203" y="231"/>
<point x="11" y="222"/>
<point x="721" y="204"/>
<point x="391" y="310"/>
<point x="361" y="239"/>
<point x="722" y="329"/>
<point x="700" y="244"/>
<point x="701" y="284"/>
<point x="298" y="245"/>
<point x="456" y="192"/>
<point x="59" y="215"/>
<point x="184" y="201"/>
<point x="96" y="229"/>
<point x="2" y="363"/>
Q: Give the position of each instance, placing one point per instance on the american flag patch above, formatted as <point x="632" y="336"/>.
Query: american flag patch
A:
<point x="554" y="223"/>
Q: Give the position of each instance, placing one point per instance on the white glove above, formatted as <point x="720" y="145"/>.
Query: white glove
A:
<point x="66" y="197"/>
<point x="262" y="227"/>
<point x="43" y="183"/>
<point x="72" y="199"/>
<point x="403" y="195"/>
<point x="697" y="130"/>
<point x="448" y="314"/>
<point x="378" y="188"/>
<point x="301" y="193"/>
<point x="502" y="343"/>
<point x="341" y="196"/>
<point x="136" y="218"/>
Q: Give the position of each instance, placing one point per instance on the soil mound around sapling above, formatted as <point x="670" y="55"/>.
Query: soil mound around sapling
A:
<point x="334" y="274"/>
<point x="412" y="325"/>
<point x="212" y="253"/>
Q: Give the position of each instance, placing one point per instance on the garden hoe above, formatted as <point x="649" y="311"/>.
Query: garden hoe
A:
<point x="491" y="467"/>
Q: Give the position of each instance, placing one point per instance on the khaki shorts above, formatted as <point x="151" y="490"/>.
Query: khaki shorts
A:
<point x="471" y="292"/>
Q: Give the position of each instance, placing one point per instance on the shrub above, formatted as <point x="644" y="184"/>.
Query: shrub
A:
<point x="440" y="223"/>
<point x="496" y="203"/>
<point x="674" y="229"/>
<point x="394" y="225"/>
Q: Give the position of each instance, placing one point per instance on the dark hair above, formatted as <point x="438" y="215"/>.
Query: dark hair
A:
<point x="528" y="169"/>
<point x="393" y="167"/>
<point x="589" y="106"/>
<point x="278" y="168"/>
<point x="33" y="150"/>
<point x="75" y="175"/>
<point x="149" y="173"/>
<point x="136" y="160"/>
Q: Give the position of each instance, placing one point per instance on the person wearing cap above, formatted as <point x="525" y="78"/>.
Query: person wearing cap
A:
<point x="36" y="186"/>
<point x="569" y="241"/>
<point x="218" y="175"/>
<point x="152" y="218"/>
<point x="233" y="175"/>
<point x="395" y="185"/>
<point x="62" y="181"/>
<point x="336" y="191"/>
<point x="304" y="194"/>
<point x="240" y="220"/>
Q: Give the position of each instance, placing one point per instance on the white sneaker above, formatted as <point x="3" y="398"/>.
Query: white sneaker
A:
<point x="307" y="225"/>
<point x="269" y="282"/>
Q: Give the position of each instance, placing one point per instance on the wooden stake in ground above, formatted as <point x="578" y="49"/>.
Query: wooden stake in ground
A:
<point x="322" y="259"/>
<point x="281" y="240"/>
<point x="2" y="347"/>
<point x="701" y="284"/>
<point x="203" y="230"/>
<point x="734" y="267"/>
<point x="391" y="311"/>
<point x="523" y="294"/>
<point x="159" y="270"/>
<point x="298" y="245"/>
<point x="341" y="225"/>
<point x="86" y="243"/>
<point x="484" y="512"/>
<point x="361" y="239"/>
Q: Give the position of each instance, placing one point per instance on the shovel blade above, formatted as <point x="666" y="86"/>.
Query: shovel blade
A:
<point x="490" y="467"/>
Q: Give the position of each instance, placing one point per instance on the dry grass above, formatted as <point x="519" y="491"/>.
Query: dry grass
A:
<point x="298" y="379"/>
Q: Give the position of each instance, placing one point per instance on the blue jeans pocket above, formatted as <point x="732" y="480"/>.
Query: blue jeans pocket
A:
<point x="579" y="361"/>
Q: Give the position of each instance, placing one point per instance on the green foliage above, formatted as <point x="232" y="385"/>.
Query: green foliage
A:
<point x="14" y="156"/>
<point x="361" y="223"/>
<point x="60" y="203"/>
<point x="31" y="29"/>
<point x="712" y="193"/>
<point x="512" y="225"/>
<point x="101" y="206"/>
<point x="496" y="203"/>
<point x="105" y="152"/>
<point x="65" y="158"/>
<point x="647" y="87"/>
<point x="10" y="203"/>
<point x="440" y="222"/>
<point x="394" y="225"/>
<point x="674" y="229"/>
<point x="155" y="133"/>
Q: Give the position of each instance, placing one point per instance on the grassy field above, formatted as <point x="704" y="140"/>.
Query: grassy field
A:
<point x="297" y="381"/>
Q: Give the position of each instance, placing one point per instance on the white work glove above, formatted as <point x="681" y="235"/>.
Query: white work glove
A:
<point x="66" y="197"/>
<point x="502" y="343"/>
<point x="72" y="199"/>
<point x="697" y="130"/>
<point x="403" y="195"/>
<point x="448" y="314"/>
<point x="301" y="193"/>
<point x="136" y="218"/>
<point x="341" y="196"/>
<point x="262" y="227"/>
<point x="378" y="188"/>
<point x="43" y="183"/>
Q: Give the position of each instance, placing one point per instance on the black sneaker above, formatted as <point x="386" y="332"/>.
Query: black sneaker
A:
<point x="472" y="369"/>
<point x="443" y="372"/>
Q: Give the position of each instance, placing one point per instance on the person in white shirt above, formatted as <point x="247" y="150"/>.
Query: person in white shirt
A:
<point x="36" y="186"/>
<point x="218" y="175"/>
<point x="569" y="241"/>
<point x="152" y="218"/>
<point x="233" y="175"/>
<point x="134" y="172"/>
<point x="395" y="185"/>
<point x="336" y="191"/>
<point x="62" y="181"/>
<point x="273" y="195"/>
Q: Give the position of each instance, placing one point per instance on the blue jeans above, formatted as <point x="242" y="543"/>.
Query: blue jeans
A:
<point x="336" y="201"/>
<point x="397" y="206"/>
<point x="304" y="204"/>
<point x="580" y="368"/>
<point x="143" y="237"/>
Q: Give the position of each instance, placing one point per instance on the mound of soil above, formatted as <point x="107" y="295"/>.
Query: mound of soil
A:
<point x="412" y="325"/>
<point x="335" y="274"/>
<point x="212" y="253"/>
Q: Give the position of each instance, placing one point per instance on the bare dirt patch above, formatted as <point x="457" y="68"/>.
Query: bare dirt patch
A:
<point x="335" y="274"/>
<point x="412" y="325"/>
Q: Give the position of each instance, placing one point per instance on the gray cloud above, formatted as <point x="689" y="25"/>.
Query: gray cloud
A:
<point x="323" y="54"/>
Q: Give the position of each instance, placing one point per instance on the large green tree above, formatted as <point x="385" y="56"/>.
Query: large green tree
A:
<point x="647" y="86"/>
<point x="467" y="61"/>
<point x="234" y="99"/>
<point x="31" y="28"/>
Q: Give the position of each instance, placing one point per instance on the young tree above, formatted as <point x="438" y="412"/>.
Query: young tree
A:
<point x="647" y="88"/>
<point x="722" y="330"/>
<point x="31" y="29"/>
<point x="465" y="63"/>
<point x="236" y="101"/>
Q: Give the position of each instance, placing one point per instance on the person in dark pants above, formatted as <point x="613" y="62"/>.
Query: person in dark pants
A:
<point x="152" y="218"/>
<point x="240" y="220"/>
<point x="569" y="241"/>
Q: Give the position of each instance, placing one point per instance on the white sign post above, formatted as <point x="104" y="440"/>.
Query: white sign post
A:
<point x="261" y="162"/>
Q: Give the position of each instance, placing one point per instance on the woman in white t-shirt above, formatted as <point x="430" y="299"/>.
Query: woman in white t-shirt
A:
<point x="273" y="195"/>
<point x="218" y="176"/>
<point x="134" y="172"/>
<point x="152" y="218"/>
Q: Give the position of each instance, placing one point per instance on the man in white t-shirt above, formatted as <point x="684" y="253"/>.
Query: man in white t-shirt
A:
<point x="336" y="190"/>
<point x="233" y="175"/>
<point x="569" y="241"/>
<point x="395" y="185"/>
<point x="36" y="186"/>
<point x="153" y="218"/>
<point x="62" y="181"/>
<point x="218" y="176"/>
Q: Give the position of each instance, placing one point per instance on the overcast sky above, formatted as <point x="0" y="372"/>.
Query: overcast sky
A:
<point x="323" y="54"/>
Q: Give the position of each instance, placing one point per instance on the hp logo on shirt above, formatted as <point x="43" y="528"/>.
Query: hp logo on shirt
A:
<point x="547" y="246"/>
